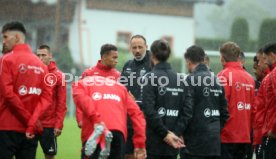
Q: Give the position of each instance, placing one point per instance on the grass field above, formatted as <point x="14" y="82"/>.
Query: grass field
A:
<point x="69" y="143"/>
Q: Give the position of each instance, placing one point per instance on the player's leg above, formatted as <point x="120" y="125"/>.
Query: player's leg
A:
<point x="27" y="148"/>
<point x="48" y="143"/>
<point x="9" y="143"/>
<point x="117" y="145"/>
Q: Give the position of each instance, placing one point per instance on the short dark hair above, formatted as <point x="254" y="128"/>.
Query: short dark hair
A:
<point x="242" y="56"/>
<point x="271" y="47"/>
<point x="106" y="48"/>
<point x="139" y="36"/>
<point x="195" y="54"/>
<point x="44" y="47"/>
<point x="255" y="60"/>
<point x="230" y="51"/>
<point x="161" y="50"/>
<point x="14" y="26"/>
<point x="206" y="58"/>
<point x="260" y="51"/>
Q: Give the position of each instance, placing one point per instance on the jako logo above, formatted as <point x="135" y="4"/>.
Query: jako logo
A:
<point x="98" y="96"/>
<point x="242" y="106"/>
<point x="169" y="112"/>
<point x="23" y="90"/>
<point x="208" y="112"/>
<point x="112" y="97"/>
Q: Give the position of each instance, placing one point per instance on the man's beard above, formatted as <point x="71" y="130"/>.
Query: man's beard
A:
<point x="141" y="58"/>
<point x="4" y="50"/>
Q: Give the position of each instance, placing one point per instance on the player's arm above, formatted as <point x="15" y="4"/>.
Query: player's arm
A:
<point x="7" y="90"/>
<point x="79" y="113"/>
<point x="85" y="103"/>
<point x="153" y="119"/>
<point x="60" y="103"/>
<point x="138" y="121"/>
<point x="44" y="103"/>
<point x="223" y="109"/>
<point x="187" y="109"/>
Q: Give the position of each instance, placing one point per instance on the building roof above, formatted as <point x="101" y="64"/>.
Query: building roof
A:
<point x="163" y="7"/>
<point x="27" y="11"/>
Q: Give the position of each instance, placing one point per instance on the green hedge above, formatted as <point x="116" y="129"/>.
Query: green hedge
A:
<point x="214" y="44"/>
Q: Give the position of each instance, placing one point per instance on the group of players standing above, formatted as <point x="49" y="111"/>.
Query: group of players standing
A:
<point x="200" y="116"/>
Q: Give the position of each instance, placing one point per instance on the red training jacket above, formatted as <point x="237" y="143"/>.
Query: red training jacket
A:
<point x="102" y="99"/>
<point x="270" y="116"/>
<point x="98" y="70"/>
<point x="102" y="70"/>
<point x="239" y="91"/>
<point x="24" y="94"/>
<point x="259" y="111"/>
<point x="53" y="117"/>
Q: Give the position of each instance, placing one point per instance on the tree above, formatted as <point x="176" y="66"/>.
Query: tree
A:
<point x="124" y="56"/>
<point x="240" y="33"/>
<point x="221" y="18"/>
<point x="267" y="32"/>
<point x="64" y="59"/>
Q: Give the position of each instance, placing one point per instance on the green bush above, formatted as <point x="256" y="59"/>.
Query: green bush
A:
<point x="214" y="44"/>
<point x="210" y="44"/>
<point x="240" y="33"/>
<point x="64" y="59"/>
<point x="124" y="56"/>
<point x="267" y="32"/>
<point x="176" y="63"/>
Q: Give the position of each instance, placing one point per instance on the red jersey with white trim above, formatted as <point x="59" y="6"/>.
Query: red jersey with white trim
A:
<point x="270" y="116"/>
<point x="54" y="116"/>
<point x="239" y="91"/>
<point x="259" y="111"/>
<point x="24" y="94"/>
<point x="98" y="70"/>
<point x="102" y="99"/>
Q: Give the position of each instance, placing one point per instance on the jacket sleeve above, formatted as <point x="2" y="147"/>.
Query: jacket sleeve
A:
<point x="154" y="121"/>
<point x="84" y="74"/>
<point x="225" y="83"/>
<point x="45" y="101"/>
<point x="138" y="122"/>
<point x="123" y="79"/>
<point x="273" y="79"/>
<point x="187" y="109"/>
<point x="7" y="91"/>
<point x="223" y="108"/>
<point x="259" y="114"/>
<point x="60" y="102"/>
<point x="79" y="113"/>
<point x="85" y="103"/>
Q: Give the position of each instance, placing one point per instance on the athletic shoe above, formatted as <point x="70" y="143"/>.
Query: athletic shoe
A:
<point x="91" y="143"/>
<point x="106" y="149"/>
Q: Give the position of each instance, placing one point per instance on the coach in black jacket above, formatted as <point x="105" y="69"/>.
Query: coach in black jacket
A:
<point x="131" y="77"/>
<point x="162" y="99"/>
<point x="135" y="69"/>
<point x="204" y="111"/>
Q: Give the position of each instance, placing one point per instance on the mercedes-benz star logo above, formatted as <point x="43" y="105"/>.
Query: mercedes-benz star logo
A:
<point x="206" y="92"/>
<point x="162" y="90"/>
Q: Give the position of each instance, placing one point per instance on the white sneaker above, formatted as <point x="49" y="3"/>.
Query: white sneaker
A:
<point x="91" y="143"/>
<point x="106" y="151"/>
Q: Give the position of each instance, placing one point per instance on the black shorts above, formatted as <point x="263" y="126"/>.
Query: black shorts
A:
<point x="16" y="144"/>
<point x="233" y="150"/>
<point x="129" y="142"/>
<point x="117" y="147"/>
<point x="130" y="132"/>
<point x="150" y="156"/>
<point x="48" y="141"/>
